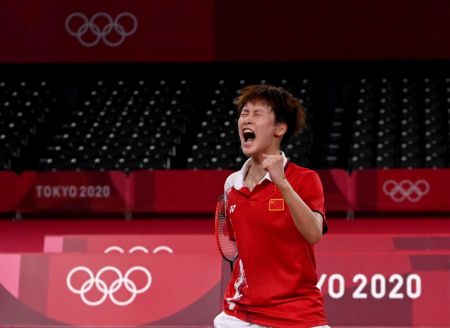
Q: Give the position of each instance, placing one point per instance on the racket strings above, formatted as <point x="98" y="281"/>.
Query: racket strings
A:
<point x="225" y="237"/>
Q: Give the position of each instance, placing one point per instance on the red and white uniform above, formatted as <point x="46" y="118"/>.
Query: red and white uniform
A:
<point x="274" y="279"/>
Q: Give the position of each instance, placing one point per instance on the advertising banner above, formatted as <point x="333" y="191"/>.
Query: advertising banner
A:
<point x="9" y="191"/>
<point x="106" y="31"/>
<point x="70" y="191"/>
<point x="360" y="276"/>
<point x="106" y="290"/>
<point x="338" y="191"/>
<point x="385" y="289"/>
<point x="385" y="279"/>
<point x="176" y="191"/>
<point x="132" y="244"/>
<point x="402" y="190"/>
<point x="190" y="192"/>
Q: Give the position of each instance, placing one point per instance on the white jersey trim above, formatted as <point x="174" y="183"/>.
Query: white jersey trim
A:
<point x="236" y="179"/>
<point x="240" y="282"/>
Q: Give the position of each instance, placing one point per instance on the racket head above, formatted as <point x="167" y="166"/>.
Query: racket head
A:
<point x="223" y="231"/>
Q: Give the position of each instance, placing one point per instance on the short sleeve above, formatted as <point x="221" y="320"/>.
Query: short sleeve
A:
<point x="310" y="189"/>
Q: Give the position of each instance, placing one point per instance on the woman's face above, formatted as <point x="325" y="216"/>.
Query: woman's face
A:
<point x="258" y="131"/>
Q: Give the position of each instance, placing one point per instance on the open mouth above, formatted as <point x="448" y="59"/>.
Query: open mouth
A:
<point x="248" y="135"/>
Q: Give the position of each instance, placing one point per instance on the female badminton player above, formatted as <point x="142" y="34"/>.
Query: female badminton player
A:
<point x="276" y="212"/>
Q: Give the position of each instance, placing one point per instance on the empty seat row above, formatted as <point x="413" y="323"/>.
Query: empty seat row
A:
<point x="179" y="123"/>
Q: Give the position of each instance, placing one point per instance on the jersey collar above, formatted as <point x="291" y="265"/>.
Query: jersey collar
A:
<point x="238" y="183"/>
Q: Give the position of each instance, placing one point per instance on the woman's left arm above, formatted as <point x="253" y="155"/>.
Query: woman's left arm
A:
<point x="308" y="222"/>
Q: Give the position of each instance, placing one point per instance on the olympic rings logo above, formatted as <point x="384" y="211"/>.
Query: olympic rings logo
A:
<point x="135" y="249"/>
<point x="79" y="26"/>
<point x="108" y="291"/>
<point x="406" y="190"/>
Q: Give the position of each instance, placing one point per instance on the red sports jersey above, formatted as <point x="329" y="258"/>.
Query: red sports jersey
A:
<point x="274" y="280"/>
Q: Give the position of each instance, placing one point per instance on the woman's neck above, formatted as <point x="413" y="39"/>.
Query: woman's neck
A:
<point x="256" y="169"/>
<point x="254" y="175"/>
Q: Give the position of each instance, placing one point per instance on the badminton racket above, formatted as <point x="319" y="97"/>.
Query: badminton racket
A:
<point x="225" y="238"/>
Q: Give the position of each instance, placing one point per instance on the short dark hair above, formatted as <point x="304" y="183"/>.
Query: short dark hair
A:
<point x="287" y="108"/>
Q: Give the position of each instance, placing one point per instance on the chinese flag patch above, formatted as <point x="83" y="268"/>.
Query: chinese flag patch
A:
<point x="276" y="204"/>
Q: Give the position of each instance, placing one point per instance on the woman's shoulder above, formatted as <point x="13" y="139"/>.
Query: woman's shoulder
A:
<point x="232" y="180"/>
<point x="296" y="169"/>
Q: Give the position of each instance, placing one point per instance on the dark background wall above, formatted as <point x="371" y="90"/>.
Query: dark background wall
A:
<point x="332" y="30"/>
<point x="210" y="31"/>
